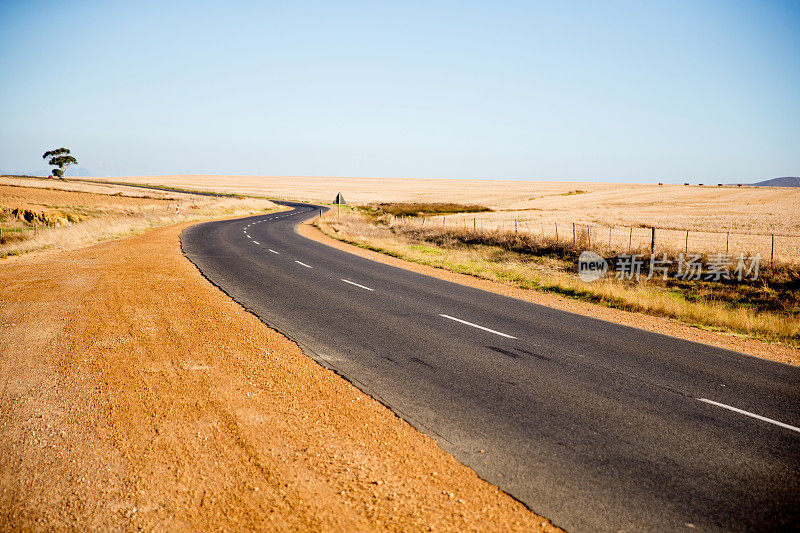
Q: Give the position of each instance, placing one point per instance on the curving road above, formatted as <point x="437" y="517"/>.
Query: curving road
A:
<point x="597" y="426"/>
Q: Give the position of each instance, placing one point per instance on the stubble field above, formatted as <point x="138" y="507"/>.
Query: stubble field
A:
<point x="718" y="219"/>
<point x="751" y="209"/>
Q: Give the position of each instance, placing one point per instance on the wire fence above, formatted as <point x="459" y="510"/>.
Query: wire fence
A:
<point x="784" y="248"/>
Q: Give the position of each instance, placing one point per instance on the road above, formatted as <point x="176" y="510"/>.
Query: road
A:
<point x="598" y="426"/>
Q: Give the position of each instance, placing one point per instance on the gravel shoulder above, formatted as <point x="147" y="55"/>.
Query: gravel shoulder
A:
<point x="136" y="395"/>
<point x="773" y="351"/>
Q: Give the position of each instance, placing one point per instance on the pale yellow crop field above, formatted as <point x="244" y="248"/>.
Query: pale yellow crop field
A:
<point x="708" y="212"/>
<point x="37" y="214"/>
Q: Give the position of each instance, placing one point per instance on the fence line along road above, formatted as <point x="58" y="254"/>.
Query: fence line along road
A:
<point x="624" y="239"/>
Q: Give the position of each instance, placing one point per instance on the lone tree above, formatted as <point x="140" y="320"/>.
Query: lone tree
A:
<point x="60" y="159"/>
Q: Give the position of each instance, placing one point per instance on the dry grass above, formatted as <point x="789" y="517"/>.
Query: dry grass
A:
<point x="766" y="310"/>
<point x="80" y="214"/>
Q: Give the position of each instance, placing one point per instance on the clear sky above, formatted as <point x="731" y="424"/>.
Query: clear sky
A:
<point x="615" y="91"/>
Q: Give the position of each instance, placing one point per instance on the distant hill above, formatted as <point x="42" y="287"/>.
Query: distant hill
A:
<point x="28" y="172"/>
<point x="792" y="181"/>
<point x="73" y="172"/>
<point x="78" y="172"/>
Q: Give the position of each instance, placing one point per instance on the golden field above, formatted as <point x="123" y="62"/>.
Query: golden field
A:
<point x="750" y="209"/>
<point x="58" y="214"/>
<point x="750" y="214"/>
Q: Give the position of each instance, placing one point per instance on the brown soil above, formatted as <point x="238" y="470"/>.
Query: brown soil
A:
<point x="776" y="352"/>
<point x="134" y="394"/>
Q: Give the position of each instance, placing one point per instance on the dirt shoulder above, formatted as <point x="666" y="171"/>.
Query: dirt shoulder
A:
<point x="134" y="394"/>
<point x="775" y="352"/>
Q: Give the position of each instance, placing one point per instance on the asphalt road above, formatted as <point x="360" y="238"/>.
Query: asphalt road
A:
<point x="597" y="426"/>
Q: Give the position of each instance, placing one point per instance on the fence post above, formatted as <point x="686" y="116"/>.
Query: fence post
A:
<point x="444" y="222"/>
<point x="556" y="231"/>
<point x="515" y="226"/>
<point x="772" y="251"/>
<point x="727" y="240"/>
<point x="475" y="224"/>
<point x="588" y="236"/>
<point x="574" y="242"/>
<point x="653" y="240"/>
<point x="630" y="241"/>
<point x="686" y="250"/>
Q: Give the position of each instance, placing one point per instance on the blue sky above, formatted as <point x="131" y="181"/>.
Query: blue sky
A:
<point x="609" y="91"/>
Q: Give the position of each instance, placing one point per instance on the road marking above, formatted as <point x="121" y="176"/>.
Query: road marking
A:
<point x="357" y="285"/>
<point x="477" y="326"/>
<point x="256" y="242"/>
<point x="747" y="413"/>
<point x="305" y="265"/>
<point x="273" y="251"/>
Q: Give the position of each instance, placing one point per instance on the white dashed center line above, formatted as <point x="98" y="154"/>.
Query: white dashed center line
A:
<point x="305" y="265"/>
<point x="357" y="285"/>
<point x="273" y="251"/>
<point x="747" y="413"/>
<point x="477" y="326"/>
<point x="256" y="242"/>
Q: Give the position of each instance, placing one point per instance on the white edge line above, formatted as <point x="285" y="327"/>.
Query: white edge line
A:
<point x="273" y="251"/>
<point x="747" y="413"/>
<point x="479" y="327"/>
<point x="357" y="285"/>
<point x="305" y="265"/>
